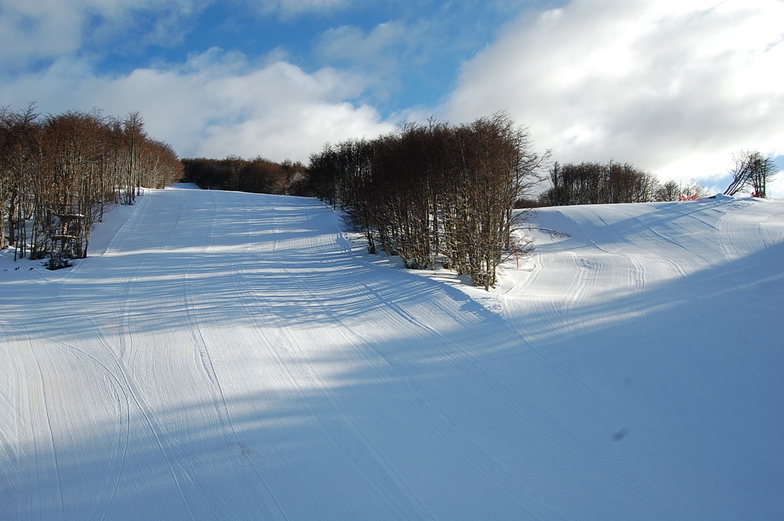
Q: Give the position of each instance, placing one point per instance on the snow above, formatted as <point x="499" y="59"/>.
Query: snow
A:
<point x="237" y="356"/>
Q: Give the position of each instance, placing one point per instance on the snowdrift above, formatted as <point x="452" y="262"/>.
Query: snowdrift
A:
<point x="235" y="356"/>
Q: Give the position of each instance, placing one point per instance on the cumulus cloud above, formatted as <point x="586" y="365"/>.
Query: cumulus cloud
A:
<point x="673" y="87"/>
<point x="30" y="31"/>
<point x="353" y="44"/>
<point x="216" y="104"/>
<point x="379" y="53"/>
<point x="35" y="30"/>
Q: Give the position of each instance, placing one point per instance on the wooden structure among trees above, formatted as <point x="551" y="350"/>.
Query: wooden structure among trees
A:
<point x="59" y="174"/>
<point x="68" y="240"/>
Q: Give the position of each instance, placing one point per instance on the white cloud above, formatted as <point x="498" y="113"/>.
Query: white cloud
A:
<point x="673" y="87"/>
<point x="34" y="30"/>
<point x="380" y="53"/>
<point x="37" y="29"/>
<point x="289" y="8"/>
<point x="214" y="105"/>
<point x="217" y="104"/>
<point x="353" y="44"/>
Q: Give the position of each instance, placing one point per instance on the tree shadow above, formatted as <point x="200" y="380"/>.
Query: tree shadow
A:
<point x="322" y="387"/>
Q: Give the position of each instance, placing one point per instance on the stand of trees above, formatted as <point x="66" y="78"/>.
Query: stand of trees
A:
<point x="59" y="174"/>
<point x="256" y="175"/>
<point x="607" y="183"/>
<point x="433" y="193"/>
<point x="675" y="191"/>
<point x="597" y="183"/>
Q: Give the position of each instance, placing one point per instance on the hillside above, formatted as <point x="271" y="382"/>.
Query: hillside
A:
<point x="226" y="355"/>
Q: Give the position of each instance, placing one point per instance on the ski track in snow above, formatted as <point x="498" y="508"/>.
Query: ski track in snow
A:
<point x="234" y="356"/>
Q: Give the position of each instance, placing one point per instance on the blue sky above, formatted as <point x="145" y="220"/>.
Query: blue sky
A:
<point x="673" y="87"/>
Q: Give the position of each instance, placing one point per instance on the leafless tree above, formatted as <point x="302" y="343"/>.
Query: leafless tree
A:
<point x="752" y="170"/>
<point x="19" y="140"/>
<point x="597" y="183"/>
<point x="58" y="174"/>
<point x="669" y="191"/>
<point x="693" y="190"/>
<point x="434" y="193"/>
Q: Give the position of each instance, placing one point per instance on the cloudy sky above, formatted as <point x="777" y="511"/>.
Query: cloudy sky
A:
<point x="674" y="87"/>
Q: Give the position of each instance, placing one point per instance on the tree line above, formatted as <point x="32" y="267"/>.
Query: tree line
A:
<point x="598" y="183"/>
<point x="257" y="175"/>
<point x="60" y="173"/>
<point x="433" y="193"/>
<point x="611" y="182"/>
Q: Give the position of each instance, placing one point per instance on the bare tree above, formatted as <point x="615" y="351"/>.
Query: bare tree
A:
<point x="57" y="175"/>
<point x="19" y="159"/>
<point x="693" y="190"/>
<point x="597" y="183"/>
<point x="752" y="170"/>
<point x="669" y="191"/>
<point x="133" y="130"/>
<point x="434" y="193"/>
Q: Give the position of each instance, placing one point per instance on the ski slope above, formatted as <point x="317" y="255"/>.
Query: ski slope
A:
<point x="236" y="356"/>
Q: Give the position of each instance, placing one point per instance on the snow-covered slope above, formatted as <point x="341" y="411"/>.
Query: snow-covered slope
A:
<point x="234" y="356"/>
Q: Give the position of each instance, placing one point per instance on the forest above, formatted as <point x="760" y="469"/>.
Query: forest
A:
<point x="257" y="175"/>
<point x="60" y="173"/>
<point x="597" y="183"/>
<point x="610" y="183"/>
<point x="435" y="194"/>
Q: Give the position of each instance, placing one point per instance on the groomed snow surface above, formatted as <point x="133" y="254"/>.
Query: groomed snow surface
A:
<point x="236" y="356"/>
